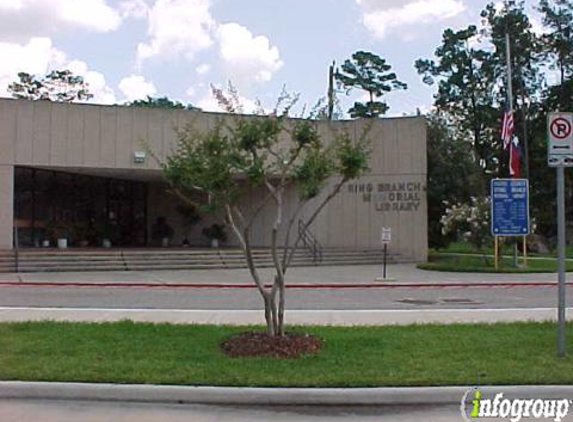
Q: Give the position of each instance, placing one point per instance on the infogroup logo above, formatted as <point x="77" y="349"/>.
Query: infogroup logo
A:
<point x="513" y="409"/>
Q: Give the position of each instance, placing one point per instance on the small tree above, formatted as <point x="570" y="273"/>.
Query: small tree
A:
<point x="58" y="85"/>
<point x="273" y="154"/>
<point x="469" y="220"/>
<point x="371" y="73"/>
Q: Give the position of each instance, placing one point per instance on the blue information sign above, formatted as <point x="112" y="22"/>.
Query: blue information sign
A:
<point x="509" y="207"/>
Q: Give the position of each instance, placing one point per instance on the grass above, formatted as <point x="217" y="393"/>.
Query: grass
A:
<point x="481" y="264"/>
<point x="507" y="248"/>
<point x="125" y="352"/>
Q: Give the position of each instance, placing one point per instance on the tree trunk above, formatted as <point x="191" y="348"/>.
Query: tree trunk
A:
<point x="269" y="305"/>
<point x="281" y="325"/>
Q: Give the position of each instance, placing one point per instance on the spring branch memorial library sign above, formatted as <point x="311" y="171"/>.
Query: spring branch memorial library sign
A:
<point x="509" y="207"/>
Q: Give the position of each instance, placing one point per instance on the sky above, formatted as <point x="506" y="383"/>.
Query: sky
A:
<point x="129" y="49"/>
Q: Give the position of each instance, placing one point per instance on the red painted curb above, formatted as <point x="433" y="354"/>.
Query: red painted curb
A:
<point x="290" y="286"/>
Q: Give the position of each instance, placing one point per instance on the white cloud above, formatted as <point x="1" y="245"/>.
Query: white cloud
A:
<point x="102" y="93"/>
<point x="383" y="16"/>
<point x="35" y="57"/>
<point x="203" y="69"/>
<point x="21" y="19"/>
<point x="38" y="57"/>
<point x="135" y="87"/>
<point x="133" y="9"/>
<point x="191" y="91"/>
<point x="177" y="27"/>
<point x="246" y="56"/>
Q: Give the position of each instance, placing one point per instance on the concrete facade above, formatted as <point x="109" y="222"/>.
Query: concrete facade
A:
<point x="102" y="140"/>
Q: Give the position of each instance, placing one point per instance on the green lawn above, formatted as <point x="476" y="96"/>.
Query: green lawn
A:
<point x="519" y="353"/>
<point x="485" y="264"/>
<point x="466" y="248"/>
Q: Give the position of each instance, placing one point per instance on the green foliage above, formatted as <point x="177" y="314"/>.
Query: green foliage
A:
<point x="161" y="102"/>
<point x="454" y="175"/>
<point x="352" y="157"/>
<point x="370" y="73"/>
<point x="469" y="221"/>
<point x="58" y="85"/>
<point x="312" y="173"/>
<point x="525" y="48"/>
<point x="215" y="232"/>
<point x="465" y="91"/>
<point x="229" y="159"/>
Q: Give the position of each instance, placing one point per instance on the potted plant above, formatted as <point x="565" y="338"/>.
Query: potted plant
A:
<point x="108" y="233"/>
<point x="216" y="234"/>
<point x="81" y="233"/>
<point x="161" y="232"/>
<point x="59" y="231"/>
<point x="190" y="217"/>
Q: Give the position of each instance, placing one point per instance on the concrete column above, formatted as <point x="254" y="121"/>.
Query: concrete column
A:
<point x="6" y="206"/>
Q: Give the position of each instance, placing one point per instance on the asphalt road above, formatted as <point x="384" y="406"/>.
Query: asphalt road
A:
<point x="303" y="299"/>
<point x="74" y="411"/>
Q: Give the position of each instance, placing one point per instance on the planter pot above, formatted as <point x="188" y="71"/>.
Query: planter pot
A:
<point x="165" y="242"/>
<point x="62" y="243"/>
<point x="45" y="243"/>
<point x="214" y="243"/>
<point x="106" y="243"/>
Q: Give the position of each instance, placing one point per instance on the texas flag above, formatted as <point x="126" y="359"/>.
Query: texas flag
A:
<point x="510" y="142"/>
<point x="514" y="158"/>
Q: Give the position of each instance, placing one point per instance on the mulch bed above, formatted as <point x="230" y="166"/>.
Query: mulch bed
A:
<point x="253" y="343"/>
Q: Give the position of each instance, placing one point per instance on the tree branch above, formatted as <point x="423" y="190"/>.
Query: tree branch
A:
<point x="312" y="218"/>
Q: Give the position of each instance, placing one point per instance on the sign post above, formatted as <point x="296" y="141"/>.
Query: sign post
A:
<point x="386" y="237"/>
<point x="509" y="210"/>
<point x="560" y="155"/>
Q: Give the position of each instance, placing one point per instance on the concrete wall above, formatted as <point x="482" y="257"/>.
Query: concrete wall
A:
<point x="104" y="138"/>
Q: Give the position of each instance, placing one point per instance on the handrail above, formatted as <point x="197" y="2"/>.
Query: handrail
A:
<point x="16" y="244"/>
<point x="310" y="242"/>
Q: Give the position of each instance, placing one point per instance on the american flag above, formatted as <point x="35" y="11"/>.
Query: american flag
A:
<point x="507" y="128"/>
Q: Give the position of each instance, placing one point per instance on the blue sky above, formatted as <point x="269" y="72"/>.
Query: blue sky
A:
<point x="127" y="49"/>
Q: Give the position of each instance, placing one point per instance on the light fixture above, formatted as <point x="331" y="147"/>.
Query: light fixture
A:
<point x="139" y="157"/>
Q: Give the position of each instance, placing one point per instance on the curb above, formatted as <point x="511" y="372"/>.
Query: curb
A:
<point x="378" y="285"/>
<point x="266" y="396"/>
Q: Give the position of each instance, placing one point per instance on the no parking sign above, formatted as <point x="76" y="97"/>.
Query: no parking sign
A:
<point x="560" y="137"/>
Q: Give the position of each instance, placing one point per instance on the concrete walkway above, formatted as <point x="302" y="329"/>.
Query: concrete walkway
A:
<point x="295" y="317"/>
<point x="323" y="275"/>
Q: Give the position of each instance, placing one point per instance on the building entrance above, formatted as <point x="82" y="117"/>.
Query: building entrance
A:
<point x="88" y="211"/>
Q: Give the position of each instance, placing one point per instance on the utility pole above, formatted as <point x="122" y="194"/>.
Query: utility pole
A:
<point x="331" y="91"/>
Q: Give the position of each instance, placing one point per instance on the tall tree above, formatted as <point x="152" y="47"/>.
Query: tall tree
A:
<point x="370" y="73"/>
<point x="525" y="49"/>
<point x="558" y="41"/>
<point x="453" y="174"/>
<point x="465" y="91"/>
<point x="58" y="85"/>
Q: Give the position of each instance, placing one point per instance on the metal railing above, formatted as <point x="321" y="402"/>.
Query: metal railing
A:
<point x="16" y="250"/>
<point x="310" y="243"/>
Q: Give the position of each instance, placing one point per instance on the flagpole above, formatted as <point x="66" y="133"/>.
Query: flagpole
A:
<point x="510" y="100"/>
<point x="509" y="82"/>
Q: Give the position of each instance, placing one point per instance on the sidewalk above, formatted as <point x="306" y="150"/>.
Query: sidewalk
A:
<point x="322" y="276"/>
<point x="294" y="317"/>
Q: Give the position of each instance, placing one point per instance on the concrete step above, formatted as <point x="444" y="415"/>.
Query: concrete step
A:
<point x="172" y="259"/>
